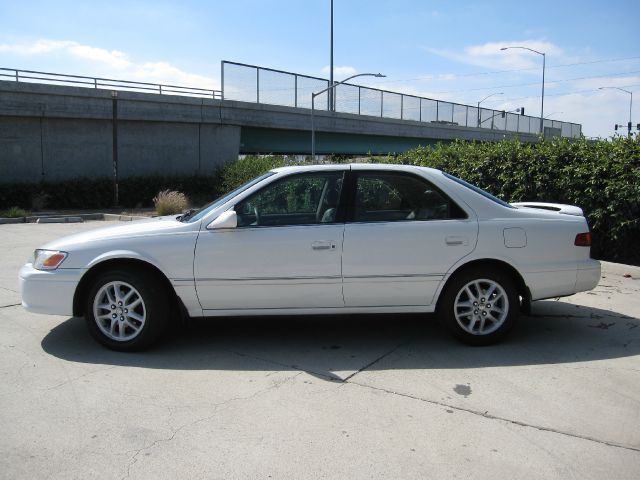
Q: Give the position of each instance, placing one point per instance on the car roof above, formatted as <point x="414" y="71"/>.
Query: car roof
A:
<point x="353" y="166"/>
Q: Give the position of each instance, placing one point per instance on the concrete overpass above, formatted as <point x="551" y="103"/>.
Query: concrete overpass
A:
<point x="50" y="132"/>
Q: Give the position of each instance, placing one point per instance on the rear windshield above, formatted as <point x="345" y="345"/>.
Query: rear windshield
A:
<point x="479" y="190"/>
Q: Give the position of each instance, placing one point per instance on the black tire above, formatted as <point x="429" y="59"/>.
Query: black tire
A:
<point x="154" y="309"/>
<point x="466" y="325"/>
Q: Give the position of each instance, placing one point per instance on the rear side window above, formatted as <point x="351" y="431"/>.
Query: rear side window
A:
<point x="478" y="190"/>
<point x="390" y="197"/>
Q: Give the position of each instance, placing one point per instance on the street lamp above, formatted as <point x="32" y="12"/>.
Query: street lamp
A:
<point x="488" y="96"/>
<point x="544" y="57"/>
<point x="496" y="113"/>
<point x="630" y="101"/>
<point x="331" y="61"/>
<point x="332" y="89"/>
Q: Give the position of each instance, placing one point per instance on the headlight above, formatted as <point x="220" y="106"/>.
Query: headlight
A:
<point x="48" y="259"/>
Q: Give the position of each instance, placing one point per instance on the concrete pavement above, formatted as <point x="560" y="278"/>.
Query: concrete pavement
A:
<point x="323" y="397"/>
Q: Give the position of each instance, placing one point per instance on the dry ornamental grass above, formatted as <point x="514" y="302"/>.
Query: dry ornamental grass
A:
<point x="169" y="202"/>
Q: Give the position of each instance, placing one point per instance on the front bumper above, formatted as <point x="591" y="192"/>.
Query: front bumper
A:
<point x="50" y="292"/>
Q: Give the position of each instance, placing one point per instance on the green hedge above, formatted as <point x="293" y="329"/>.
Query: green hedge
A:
<point x="87" y="193"/>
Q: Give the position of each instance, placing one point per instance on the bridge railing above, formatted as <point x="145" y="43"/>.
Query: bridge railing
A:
<point x="251" y="83"/>
<point x="105" y="83"/>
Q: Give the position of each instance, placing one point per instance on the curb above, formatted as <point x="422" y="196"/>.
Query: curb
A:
<point x="12" y="220"/>
<point x="79" y="218"/>
<point x="112" y="217"/>
<point x="59" y="220"/>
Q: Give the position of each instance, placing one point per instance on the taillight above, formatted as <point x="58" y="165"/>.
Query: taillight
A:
<point x="583" y="240"/>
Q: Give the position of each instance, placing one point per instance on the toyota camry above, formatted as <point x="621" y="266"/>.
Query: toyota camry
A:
<point x="327" y="239"/>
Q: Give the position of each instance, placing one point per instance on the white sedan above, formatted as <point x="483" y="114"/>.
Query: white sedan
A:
<point x="325" y="239"/>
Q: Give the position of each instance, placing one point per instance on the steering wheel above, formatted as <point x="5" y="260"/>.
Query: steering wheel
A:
<point x="257" y="215"/>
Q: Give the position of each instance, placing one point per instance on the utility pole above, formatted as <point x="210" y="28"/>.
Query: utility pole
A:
<point x="330" y="92"/>
<point x="114" y="151"/>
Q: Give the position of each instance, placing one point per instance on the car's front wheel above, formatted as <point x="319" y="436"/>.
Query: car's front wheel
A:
<point x="126" y="310"/>
<point x="479" y="307"/>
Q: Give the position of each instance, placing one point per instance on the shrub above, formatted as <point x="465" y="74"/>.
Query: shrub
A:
<point x="170" y="202"/>
<point x="97" y="193"/>
<point x="14" y="212"/>
<point x="239" y="172"/>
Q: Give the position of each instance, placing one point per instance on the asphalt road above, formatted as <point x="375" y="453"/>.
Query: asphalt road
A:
<point x="322" y="397"/>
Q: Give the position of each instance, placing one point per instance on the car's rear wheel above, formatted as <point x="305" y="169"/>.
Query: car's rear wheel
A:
<point x="479" y="307"/>
<point x="127" y="310"/>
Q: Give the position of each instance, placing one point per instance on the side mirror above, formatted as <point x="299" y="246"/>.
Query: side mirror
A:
<point x="228" y="219"/>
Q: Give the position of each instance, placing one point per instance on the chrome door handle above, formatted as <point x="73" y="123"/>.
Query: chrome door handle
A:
<point x="456" y="240"/>
<point x="323" y="245"/>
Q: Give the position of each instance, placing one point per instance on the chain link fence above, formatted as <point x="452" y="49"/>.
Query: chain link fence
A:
<point x="250" y="83"/>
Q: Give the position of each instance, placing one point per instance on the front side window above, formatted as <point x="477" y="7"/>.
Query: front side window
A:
<point x="295" y="200"/>
<point x="389" y="197"/>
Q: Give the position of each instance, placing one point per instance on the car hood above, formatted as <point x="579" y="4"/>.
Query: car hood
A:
<point x="138" y="228"/>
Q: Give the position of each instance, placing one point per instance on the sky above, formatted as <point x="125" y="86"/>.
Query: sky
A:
<point x="448" y="50"/>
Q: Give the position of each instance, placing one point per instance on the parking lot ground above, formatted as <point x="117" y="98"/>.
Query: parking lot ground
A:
<point x="353" y="397"/>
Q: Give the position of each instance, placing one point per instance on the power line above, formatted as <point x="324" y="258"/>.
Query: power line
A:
<point x="494" y="72"/>
<point x="575" y="92"/>
<point x="538" y="83"/>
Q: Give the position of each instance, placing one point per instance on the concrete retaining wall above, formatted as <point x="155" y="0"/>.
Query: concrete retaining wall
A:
<point x="51" y="132"/>
<point x="67" y="133"/>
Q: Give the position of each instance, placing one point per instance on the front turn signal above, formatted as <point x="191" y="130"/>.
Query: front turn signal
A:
<point x="48" y="259"/>
<point x="583" y="240"/>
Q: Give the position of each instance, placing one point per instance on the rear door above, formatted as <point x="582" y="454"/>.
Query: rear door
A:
<point x="402" y="236"/>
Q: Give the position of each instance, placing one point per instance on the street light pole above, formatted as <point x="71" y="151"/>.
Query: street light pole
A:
<point x="544" y="59"/>
<point x="630" y="102"/>
<point x="331" y="62"/>
<point x="488" y="96"/>
<point x="330" y="88"/>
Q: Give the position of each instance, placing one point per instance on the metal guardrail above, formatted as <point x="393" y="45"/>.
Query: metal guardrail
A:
<point x="251" y="83"/>
<point x="110" y="83"/>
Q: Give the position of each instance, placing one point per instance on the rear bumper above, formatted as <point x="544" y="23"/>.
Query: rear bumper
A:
<point x="587" y="275"/>
<point x="49" y="292"/>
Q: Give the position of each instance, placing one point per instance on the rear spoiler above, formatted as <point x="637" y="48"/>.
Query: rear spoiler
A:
<point x="553" y="207"/>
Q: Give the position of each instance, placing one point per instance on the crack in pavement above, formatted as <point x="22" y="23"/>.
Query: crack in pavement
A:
<point x="11" y="305"/>
<point x="348" y="381"/>
<point x="402" y="344"/>
<point x="328" y="375"/>
<point x="496" y="417"/>
<point x="216" y="407"/>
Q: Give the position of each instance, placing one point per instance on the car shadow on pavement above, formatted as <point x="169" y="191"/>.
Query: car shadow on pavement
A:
<point x="333" y="347"/>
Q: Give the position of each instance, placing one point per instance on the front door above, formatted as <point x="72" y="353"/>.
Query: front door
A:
<point x="284" y="254"/>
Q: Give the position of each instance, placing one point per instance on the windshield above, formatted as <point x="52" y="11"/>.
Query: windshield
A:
<point x="478" y="190"/>
<point x="219" y="201"/>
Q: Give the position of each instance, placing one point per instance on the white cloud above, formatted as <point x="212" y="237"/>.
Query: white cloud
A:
<point x="163" y="72"/>
<point x="344" y="71"/>
<point x="113" y="58"/>
<point x="35" y="48"/>
<point x="489" y="55"/>
<point x="97" y="61"/>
